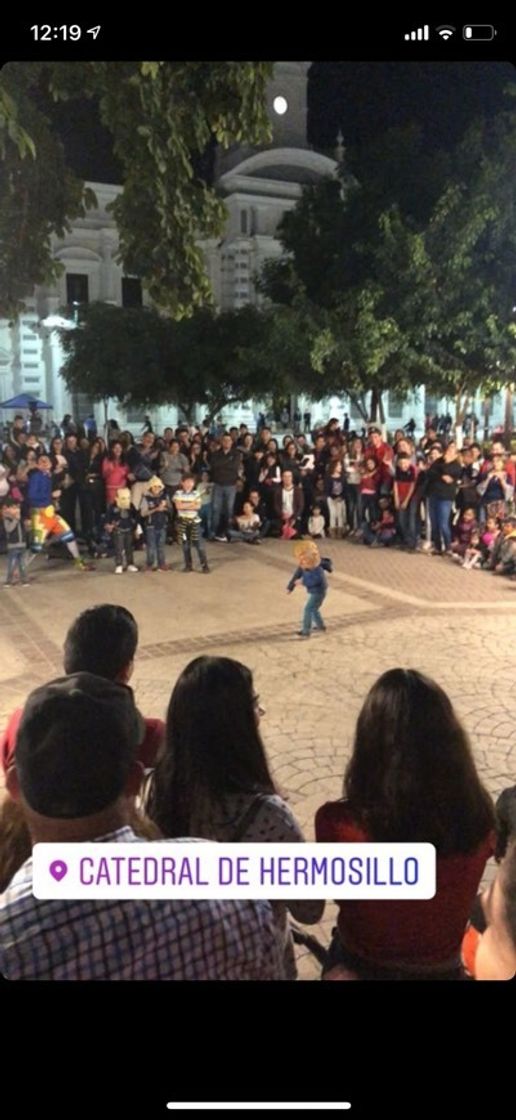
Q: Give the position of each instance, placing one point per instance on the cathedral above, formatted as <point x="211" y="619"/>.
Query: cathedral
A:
<point x="259" y="186"/>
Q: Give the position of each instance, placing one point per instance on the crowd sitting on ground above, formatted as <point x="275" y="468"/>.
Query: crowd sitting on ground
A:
<point x="81" y="764"/>
<point x="197" y="483"/>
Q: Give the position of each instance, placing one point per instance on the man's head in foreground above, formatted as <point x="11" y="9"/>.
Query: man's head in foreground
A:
<point x="75" y="766"/>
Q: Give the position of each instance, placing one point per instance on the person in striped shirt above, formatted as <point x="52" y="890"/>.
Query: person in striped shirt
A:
<point x="187" y="501"/>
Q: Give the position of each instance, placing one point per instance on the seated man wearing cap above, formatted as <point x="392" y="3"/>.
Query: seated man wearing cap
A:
<point x="103" y="641"/>
<point x="75" y="774"/>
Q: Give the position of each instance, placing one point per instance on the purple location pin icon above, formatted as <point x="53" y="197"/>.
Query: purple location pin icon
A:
<point x="58" y="869"/>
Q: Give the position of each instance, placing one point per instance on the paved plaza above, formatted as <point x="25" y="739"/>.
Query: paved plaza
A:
<point x="383" y="609"/>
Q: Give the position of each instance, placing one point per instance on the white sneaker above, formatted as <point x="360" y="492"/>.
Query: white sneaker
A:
<point x="132" y="568"/>
<point x="223" y="540"/>
<point x="119" y="570"/>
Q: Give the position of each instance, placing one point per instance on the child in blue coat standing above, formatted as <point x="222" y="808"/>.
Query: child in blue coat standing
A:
<point x="311" y="573"/>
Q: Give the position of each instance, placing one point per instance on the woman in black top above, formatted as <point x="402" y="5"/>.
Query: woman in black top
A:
<point x="442" y="484"/>
<point x="95" y="484"/>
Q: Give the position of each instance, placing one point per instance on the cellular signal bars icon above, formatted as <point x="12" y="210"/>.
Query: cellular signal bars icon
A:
<point x="420" y="34"/>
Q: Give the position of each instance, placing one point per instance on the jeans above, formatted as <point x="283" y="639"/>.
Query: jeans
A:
<point x="311" y="613"/>
<point x="440" y="512"/>
<point x="406" y="524"/>
<point x="123" y="539"/>
<point x="206" y="516"/>
<point x="15" y="559"/>
<point x="223" y="501"/>
<point x="352" y="505"/>
<point x="155" y="540"/>
<point x="189" y="534"/>
<point x="243" y="534"/>
<point x="337" y="513"/>
<point x="368" y="509"/>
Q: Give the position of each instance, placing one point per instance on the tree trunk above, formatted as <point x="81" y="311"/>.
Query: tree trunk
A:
<point x="486" y="419"/>
<point x="187" y="410"/>
<point x="374" y="405"/>
<point x="381" y="409"/>
<point x="359" y="404"/>
<point x="507" y="435"/>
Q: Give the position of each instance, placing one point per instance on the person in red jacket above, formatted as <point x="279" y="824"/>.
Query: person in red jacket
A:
<point x="102" y="641"/>
<point x="411" y="778"/>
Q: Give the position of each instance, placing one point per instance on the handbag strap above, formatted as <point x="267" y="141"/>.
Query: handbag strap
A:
<point x="248" y="816"/>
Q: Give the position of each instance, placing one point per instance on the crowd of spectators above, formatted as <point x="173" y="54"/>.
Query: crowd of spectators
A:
<point x="427" y="495"/>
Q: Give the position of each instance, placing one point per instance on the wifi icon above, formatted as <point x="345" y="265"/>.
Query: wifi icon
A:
<point x="445" y="31"/>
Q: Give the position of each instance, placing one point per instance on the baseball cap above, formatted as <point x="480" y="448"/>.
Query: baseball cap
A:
<point x="75" y="745"/>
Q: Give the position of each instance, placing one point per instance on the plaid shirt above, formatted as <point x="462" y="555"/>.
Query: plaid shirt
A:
<point x="136" y="939"/>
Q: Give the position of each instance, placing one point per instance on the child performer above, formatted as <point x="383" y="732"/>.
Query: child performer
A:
<point x="45" y="521"/>
<point x="121" y="521"/>
<point x="187" y="501"/>
<point x="16" y="542"/>
<point x="155" y="509"/>
<point x="311" y="573"/>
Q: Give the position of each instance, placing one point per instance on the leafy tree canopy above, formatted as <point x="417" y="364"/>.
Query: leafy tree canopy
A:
<point x="142" y="358"/>
<point x="162" y="115"/>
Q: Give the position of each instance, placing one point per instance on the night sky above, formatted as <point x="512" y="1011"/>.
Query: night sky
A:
<point x="361" y="98"/>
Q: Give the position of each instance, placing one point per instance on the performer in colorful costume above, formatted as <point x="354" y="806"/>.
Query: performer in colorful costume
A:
<point x="45" y="521"/>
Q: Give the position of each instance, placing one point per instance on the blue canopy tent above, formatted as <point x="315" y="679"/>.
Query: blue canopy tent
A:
<point x="24" y="400"/>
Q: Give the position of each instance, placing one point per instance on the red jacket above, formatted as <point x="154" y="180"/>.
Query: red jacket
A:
<point x="147" y="750"/>
<point x="416" y="932"/>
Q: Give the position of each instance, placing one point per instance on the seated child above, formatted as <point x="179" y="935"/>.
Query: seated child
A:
<point x="488" y="539"/>
<point x="383" y="530"/>
<point x="467" y="526"/>
<point x="473" y="555"/>
<point x="316" y="523"/>
<point x="504" y="554"/>
<point x="248" y="526"/>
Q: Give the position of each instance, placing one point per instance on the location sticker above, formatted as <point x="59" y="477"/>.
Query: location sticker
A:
<point x="58" y="869"/>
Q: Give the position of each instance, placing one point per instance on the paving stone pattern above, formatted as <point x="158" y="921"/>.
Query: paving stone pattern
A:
<point x="384" y="608"/>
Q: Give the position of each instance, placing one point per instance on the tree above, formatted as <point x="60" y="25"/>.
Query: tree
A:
<point x="117" y="353"/>
<point x="471" y="243"/>
<point x="38" y="194"/>
<point x="162" y="116"/>
<point x="139" y="357"/>
<point x="406" y="293"/>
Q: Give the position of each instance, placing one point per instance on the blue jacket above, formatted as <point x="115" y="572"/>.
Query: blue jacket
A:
<point x="39" y="490"/>
<point x="313" y="579"/>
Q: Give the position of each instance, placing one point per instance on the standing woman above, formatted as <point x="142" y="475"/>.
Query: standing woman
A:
<point x="95" y="484"/>
<point x="353" y="461"/>
<point x="114" y="471"/>
<point x="214" y="780"/>
<point x="441" y="487"/>
<point x="411" y="779"/>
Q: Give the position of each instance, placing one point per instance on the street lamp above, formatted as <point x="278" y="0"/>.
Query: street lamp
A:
<point x="58" y="322"/>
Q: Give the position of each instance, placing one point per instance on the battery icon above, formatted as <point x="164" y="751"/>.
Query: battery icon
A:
<point x="479" y="31"/>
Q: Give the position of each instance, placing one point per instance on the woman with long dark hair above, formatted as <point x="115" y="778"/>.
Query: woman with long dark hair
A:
<point x="95" y="484"/>
<point x="411" y="778"/>
<point x="214" y="779"/>
<point x="114" y="470"/>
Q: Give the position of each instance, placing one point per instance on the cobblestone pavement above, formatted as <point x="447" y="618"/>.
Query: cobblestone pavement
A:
<point x="383" y="609"/>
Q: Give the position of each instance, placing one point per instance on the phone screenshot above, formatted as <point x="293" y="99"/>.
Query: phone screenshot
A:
<point x="258" y="327"/>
